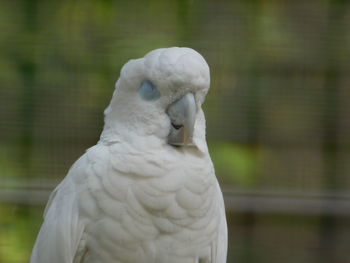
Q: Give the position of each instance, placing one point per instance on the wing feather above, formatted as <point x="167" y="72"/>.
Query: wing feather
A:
<point x="221" y="246"/>
<point x="59" y="237"/>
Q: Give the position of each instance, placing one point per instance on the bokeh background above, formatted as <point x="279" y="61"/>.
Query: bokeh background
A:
<point x="277" y="113"/>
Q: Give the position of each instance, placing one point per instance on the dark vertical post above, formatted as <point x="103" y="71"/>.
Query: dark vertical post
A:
<point x="27" y="72"/>
<point x="330" y="121"/>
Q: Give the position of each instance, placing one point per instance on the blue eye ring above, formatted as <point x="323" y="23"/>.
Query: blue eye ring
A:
<point x="148" y="91"/>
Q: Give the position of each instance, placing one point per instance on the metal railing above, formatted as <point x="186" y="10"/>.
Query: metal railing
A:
<point x="36" y="192"/>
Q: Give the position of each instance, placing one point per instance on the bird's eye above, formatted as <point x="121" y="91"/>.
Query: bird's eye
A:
<point x="148" y="91"/>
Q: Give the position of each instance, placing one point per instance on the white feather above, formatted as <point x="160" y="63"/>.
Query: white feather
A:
<point x="133" y="197"/>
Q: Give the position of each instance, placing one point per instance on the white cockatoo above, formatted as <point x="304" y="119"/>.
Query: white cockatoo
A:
<point x="147" y="192"/>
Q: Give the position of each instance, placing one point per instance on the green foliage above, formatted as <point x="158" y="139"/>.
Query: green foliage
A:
<point x="234" y="164"/>
<point x="18" y="228"/>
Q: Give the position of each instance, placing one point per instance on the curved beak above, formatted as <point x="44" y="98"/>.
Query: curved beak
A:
<point x="182" y="114"/>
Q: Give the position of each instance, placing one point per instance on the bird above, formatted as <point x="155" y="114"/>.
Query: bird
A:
<point x="147" y="191"/>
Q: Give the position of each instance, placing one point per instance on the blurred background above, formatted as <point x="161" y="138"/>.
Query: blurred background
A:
<point x="277" y="113"/>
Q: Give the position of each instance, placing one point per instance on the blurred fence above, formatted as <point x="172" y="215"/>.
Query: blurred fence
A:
<point x="336" y="204"/>
<point x="277" y="114"/>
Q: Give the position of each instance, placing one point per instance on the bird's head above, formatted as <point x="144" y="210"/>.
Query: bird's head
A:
<point x="160" y="95"/>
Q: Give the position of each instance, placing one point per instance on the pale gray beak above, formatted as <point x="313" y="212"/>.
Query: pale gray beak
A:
<point x="182" y="114"/>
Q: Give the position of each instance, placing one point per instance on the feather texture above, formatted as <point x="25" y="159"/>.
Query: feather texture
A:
<point x="134" y="198"/>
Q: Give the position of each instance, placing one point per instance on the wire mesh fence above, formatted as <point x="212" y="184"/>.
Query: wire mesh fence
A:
<point x="277" y="114"/>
